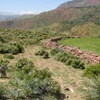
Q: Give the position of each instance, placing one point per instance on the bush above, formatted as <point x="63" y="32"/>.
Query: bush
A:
<point x="10" y="56"/>
<point x="63" y="57"/>
<point x="2" y="40"/>
<point x="54" y="51"/>
<point x="13" y="48"/>
<point x="93" y="89"/>
<point x="69" y="62"/>
<point x="24" y="65"/>
<point x="38" y="84"/>
<point x="16" y="48"/>
<point x="4" y="63"/>
<point x="69" y="59"/>
<point x="78" y="64"/>
<point x="42" y="74"/>
<point x="42" y="53"/>
<point x="40" y="87"/>
<point x="2" y="91"/>
<point x="92" y="71"/>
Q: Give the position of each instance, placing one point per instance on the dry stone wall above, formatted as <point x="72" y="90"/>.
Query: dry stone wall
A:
<point x="90" y="58"/>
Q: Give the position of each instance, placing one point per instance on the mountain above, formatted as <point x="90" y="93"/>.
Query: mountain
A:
<point x="8" y="17"/>
<point x="55" y="16"/>
<point x="64" y="18"/>
<point x="80" y="3"/>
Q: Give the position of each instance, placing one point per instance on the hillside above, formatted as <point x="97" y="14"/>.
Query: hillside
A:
<point x="61" y="19"/>
<point x="86" y="30"/>
<point x="80" y="3"/>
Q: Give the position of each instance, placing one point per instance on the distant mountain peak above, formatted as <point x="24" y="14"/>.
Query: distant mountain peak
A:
<point x="80" y="3"/>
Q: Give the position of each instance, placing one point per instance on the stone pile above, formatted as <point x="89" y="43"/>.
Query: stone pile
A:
<point x="87" y="57"/>
<point x="90" y="58"/>
<point x="50" y="44"/>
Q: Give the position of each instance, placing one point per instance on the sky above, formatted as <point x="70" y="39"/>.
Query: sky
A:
<point x="28" y="6"/>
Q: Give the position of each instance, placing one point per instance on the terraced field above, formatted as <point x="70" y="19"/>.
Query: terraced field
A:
<point x="85" y="44"/>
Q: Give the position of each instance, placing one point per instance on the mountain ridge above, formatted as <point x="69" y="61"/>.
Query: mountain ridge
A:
<point x="80" y="3"/>
<point x="54" y="16"/>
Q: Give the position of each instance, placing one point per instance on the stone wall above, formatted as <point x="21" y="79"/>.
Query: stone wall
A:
<point x="89" y="58"/>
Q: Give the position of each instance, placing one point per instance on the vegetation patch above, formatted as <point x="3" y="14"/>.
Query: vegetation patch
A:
<point x="43" y="53"/>
<point x="36" y="84"/>
<point x="93" y="89"/>
<point x="92" y="71"/>
<point x="9" y="56"/>
<point x="86" y="44"/>
<point x="67" y="58"/>
<point x="13" y="48"/>
<point x="54" y="51"/>
<point x="31" y="37"/>
<point x="4" y="63"/>
<point x="24" y="65"/>
<point x="2" y="91"/>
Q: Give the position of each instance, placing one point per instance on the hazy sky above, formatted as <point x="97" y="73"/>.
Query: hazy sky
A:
<point x="28" y="6"/>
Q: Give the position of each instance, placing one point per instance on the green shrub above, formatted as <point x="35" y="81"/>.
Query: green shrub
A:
<point x="63" y="57"/>
<point x="78" y="64"/>
<point x="16" y="48"/>
<point x="40" y="87"/>
<point x="46" y="55"/>
<point x="42" y="53"/>
<point x="69" y="59"/>
<point x="69" y="62"/>
<point x="92" y="71"/>
<point x="15" y="92"/>
<point x="10" y="56"/>
<point x="2" y="40"/>
<point x="54" y="51"/>
<point x="25" y="65"/>
<point x="54" y="87"/>
<point x="2" y="91"/>
<point x="4" y="48"/>
<point x="37" y="84"/>
<point x="42" y="74"/>
<point x="13" y="48"/>
<point x="93" y="89"/>
<point x="4" y="63"/>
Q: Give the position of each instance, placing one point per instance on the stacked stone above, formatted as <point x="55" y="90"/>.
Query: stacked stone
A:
<point x="90" y="58"/>
<point x="87" y="57"/>
<point x="49" y="44"/>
